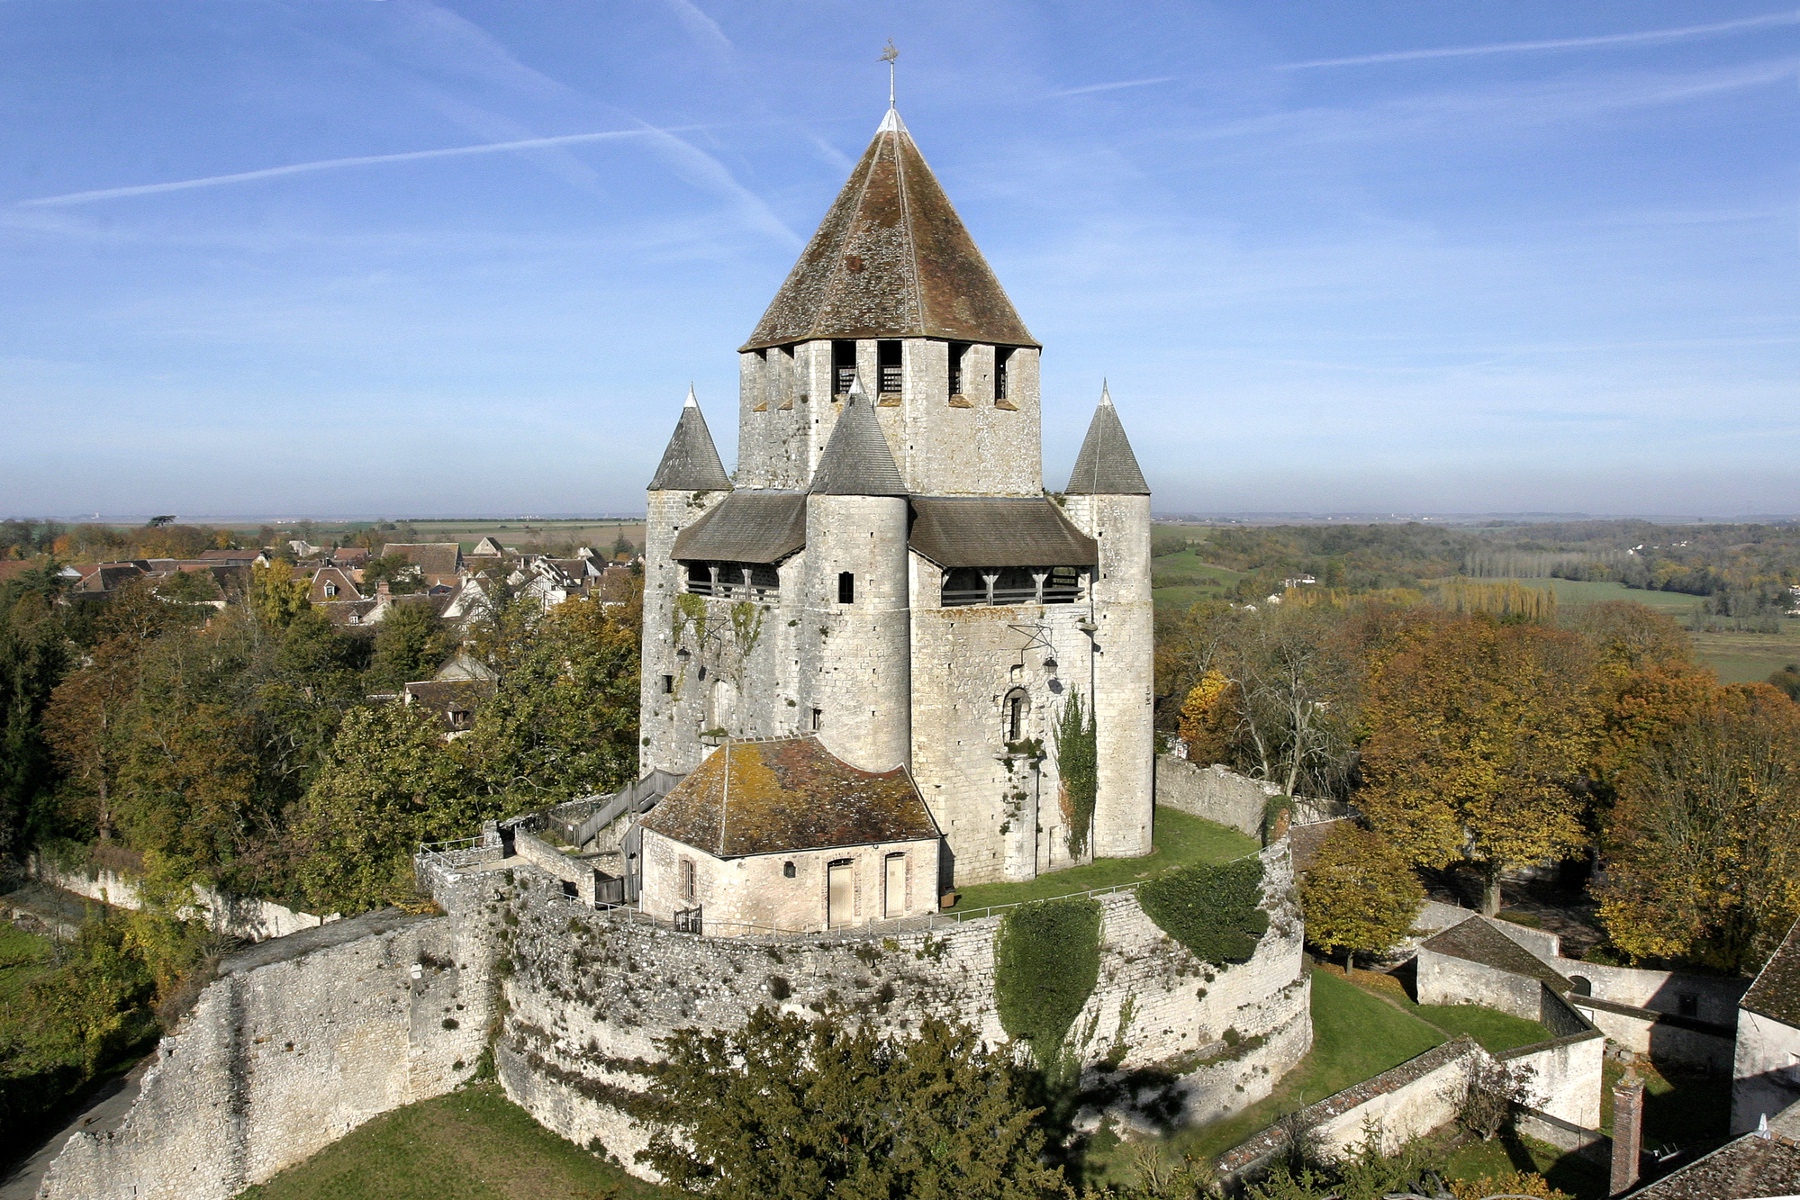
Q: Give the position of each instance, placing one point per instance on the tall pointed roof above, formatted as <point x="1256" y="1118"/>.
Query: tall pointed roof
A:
<point x="1106" y="466"/>
<point x="891" y="259"/>
<point x="691" y="463"/>
<point x="856" y="460"/>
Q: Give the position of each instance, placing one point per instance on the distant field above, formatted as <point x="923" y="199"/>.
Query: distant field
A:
<point x="1178" y="580"/>
<point x="600" y="534"/>
<point x="1749" y="657"/>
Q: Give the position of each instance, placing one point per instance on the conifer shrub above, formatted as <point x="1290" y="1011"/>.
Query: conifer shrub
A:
<point x="1077" y="765"/>
<point x="1046" y="961"/>
<point x="1209" y="908"/>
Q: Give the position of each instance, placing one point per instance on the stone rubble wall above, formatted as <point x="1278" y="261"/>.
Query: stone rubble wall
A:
<point x="244" y="917"/>
<point x="1215" y="793"/>
<point x="589" y="995"/>
<point x="300" y="1040"/>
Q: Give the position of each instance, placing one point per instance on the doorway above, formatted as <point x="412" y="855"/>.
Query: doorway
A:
<point x="893" y="898"/>
<point x="840" y="894"/>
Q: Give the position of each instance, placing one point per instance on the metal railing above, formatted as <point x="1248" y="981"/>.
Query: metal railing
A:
<point x="966" y="597"/>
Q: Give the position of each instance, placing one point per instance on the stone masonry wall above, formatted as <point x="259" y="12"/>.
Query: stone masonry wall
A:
<point x="1216" y="793"/>
<point x="588" y="996"/>
<point x="239" y="916"/>
<point x="299" y="1041"/>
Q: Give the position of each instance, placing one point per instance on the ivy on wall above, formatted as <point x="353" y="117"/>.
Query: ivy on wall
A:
<point x="1046" y="961"/>
<point x="1209" y="908"/>
<point x="1077" y="765"/>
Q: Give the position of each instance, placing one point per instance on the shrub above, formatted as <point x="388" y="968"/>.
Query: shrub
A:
<point x="1077" y="765"/>
<point x="1209" y="908"/>
<point x="1046" y="961"/>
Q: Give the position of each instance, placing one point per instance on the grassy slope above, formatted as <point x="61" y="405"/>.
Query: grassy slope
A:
<point x="1178" y="580"/>
<point x="474" y="1144"/>
<point x="23" y="957"/>
<point x="1179" y="839"/>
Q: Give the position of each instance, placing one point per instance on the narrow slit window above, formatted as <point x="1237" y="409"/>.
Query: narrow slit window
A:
<point x="959" y="354"/>
<point x="887" y="356"/>
<point x="843" y="367"/>
<point x="668" y="685"/>
<point x="1002" y="371"/>
<point x="818" y="719"/>
<point x="846" y="587"/>
<point x="1016" y="708"/>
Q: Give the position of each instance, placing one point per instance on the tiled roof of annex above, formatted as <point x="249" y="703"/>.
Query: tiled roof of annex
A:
<point x="1477" y="941"/>
<point x="789" y="794"/>
<point x="1776" y="992"/>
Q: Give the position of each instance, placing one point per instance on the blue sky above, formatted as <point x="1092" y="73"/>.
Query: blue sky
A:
<point x="403" y="258"/>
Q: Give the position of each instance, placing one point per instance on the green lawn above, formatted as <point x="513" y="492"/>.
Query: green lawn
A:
<point x="1179" y="838"/>
<point x="1579" y="1177"/>
<point x="1178" y="580"/>
<point x="473" y="1144"/>
<point x="23" y="957"/>
<point x="1572" y="592"/>
<point x="1749" y="657"/>
<point x="1495" y="1030"/>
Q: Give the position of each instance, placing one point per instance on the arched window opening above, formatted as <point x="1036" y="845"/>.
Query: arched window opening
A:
<point x="1018" y="707"/>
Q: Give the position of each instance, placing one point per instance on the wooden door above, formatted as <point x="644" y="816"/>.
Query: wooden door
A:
<point x="840" y="894"/>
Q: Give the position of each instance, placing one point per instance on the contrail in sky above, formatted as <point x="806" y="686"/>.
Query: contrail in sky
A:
<point x="1108" y="87"/>
<point x="1611" y="39"/>
<point x="332" y="164"/>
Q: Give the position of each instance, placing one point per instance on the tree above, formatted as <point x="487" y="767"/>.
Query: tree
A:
<point x="563" y="720"/>
<point x="277" y="596"/>
<point x="1359" y="894"/>
<point x="1703" y="841"/>
<point x="34" y="654"/>
<point x="798" y="1109"/>
<point x="1787" y="681"/>
<point x="410" y="644"/>
<point x="1294" y="676"/>
<point x="1479" y="735"/>
<point x="390" y="783"/>
<point x="1210" y="719"/>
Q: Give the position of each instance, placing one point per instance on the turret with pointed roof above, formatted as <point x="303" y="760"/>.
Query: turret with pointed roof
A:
<point x="856" y="460"/>
<point x="691" y="461"/>
<point x="1106" y="466"/>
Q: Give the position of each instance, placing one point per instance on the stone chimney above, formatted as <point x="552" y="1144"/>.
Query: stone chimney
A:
<point x="1628" y="1132"/>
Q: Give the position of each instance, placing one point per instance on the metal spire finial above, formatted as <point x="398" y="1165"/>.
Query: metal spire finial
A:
<point x="888" y="56"/>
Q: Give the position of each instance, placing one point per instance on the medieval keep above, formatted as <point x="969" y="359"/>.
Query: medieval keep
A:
<point x="861" y="651"/>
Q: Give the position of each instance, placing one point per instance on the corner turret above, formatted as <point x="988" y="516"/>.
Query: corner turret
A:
<point x="691" y="461"/>
<point x="1106" y="466"/>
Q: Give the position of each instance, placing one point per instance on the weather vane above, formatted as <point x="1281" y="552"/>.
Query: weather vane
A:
<point x="888" y="56"/>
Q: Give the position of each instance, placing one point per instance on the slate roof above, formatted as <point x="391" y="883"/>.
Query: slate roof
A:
<point x="346" y="587"/>
<point x="981" y="531"/>
<point x="1776" y="992"/>
<point x="891" y="259"/>
<point x="432" y="558"/>
<point x="751" y="526"/>
<point x="1747" y="1167"/>
<point x="1475" y="940"/>
<point x="856" y="460"/>
<point x="789" y="794"/>
<point x="1106" y="466"/>
<point x="691" y="461"/>
<point x="1304" y="841"/>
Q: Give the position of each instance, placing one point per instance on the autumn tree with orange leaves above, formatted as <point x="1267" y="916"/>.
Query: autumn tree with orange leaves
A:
<point x="1480" y="732"/>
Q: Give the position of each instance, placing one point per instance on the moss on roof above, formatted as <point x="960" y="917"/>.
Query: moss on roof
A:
<point x="789" y="794"/>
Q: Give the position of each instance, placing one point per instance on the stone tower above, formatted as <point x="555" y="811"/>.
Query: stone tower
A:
<point x="885" y="570"/>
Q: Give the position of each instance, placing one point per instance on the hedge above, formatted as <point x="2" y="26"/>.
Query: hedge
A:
<point x="1209" y="908"/>
<point x="1046" y="961"/>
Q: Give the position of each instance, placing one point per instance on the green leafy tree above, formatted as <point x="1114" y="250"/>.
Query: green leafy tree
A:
<point x="802" y="1109"/>
<point x="1359" y="894"/>
<point x="563" y="720"/>
<point x="35" y="653"/>
<point x="278" y="594"/>
<point x="390" y="783"/>
<point x="410" y="644"/>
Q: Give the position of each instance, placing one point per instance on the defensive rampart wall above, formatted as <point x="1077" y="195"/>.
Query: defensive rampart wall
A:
<point x="589" y="995"/>
<point x="298" y="1041"/>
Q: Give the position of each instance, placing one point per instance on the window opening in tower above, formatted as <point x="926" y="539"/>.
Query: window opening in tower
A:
<point x="1002" y="361"/>
<point x="958" y="353"/>
<point x="887" y="357"/>
<point x="843" y="367"/>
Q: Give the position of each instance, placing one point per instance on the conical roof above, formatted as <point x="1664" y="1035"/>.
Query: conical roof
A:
<point x="691" y="463"/>
<point x="857" y="461"/>
<point x="891" y="259"/>
<point x="1106" y="466"/>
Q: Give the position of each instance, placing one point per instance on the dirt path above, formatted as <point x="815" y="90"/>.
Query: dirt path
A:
<point x="105" y="1109"/>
